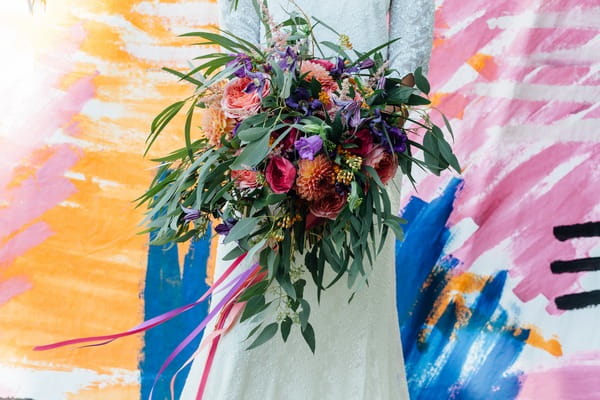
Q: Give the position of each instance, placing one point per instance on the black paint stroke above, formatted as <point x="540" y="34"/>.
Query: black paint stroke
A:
<point x="588" y="229"/>
<point x="578" y="300"/>
<point x="577" y="265"/>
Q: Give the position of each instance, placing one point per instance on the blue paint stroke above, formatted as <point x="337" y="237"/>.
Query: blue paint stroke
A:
<point x="165" y="289"/>
<point x="436" y="356"/>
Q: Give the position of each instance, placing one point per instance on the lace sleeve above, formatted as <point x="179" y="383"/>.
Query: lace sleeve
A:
<point x="412" y="21"/>
<point x="243" y="21"/>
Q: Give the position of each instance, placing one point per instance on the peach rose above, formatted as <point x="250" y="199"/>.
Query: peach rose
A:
<point x="238" y="104"/>
<point x="385" y="164"/>
<point x="244" y="178"/>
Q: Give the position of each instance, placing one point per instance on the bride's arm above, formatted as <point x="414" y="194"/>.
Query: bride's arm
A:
<point x="243" y="21"/>
<point x="412" y="22"/>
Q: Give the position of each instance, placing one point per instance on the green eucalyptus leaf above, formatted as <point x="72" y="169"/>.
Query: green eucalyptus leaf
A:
<point x="309" y="336"/>
<point x="421" y="81"/>
<point x="253" y="307"/>
<point x="253" y="134"/>
<point x="257" y="289"/>
<point x="267" y="333"/>
<point x="242" y="228"/>
<point x="416" y="100"/>
<point x="252" y="154"/>
<point x="304" y="314"/>
<point x="286" y="327"/>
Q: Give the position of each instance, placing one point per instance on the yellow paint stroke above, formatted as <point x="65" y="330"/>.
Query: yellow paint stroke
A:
<point x="551" y="346"/>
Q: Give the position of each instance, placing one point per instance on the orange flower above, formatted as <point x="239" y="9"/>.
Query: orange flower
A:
<point x="315" y="178"/>
<point x="216" y="124"/>
<point x="318" y="72"/>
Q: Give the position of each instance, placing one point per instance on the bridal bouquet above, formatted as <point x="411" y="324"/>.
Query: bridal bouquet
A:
<point x="292" y="155"/>
<point x="291" y="152"/>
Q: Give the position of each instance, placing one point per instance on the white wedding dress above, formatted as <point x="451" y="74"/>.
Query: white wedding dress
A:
<point x="358" y="350"/>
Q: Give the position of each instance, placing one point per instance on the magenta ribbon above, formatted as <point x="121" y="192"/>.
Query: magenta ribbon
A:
<point x="151" y="323"/>
<point x="239" y="281"/>
<point x="236" y="282"/>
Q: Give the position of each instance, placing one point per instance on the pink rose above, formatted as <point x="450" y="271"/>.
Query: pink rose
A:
<point x="280" y="174"/>
<point x="238" y="104"/>
<point x="385" y="164"/>
<point x="328" y="65"/>
<point x="364" y="140"/>
<point x="329" y="206"/>
<point x="244" y="178"/>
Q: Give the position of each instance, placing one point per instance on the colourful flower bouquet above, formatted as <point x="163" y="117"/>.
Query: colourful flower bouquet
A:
<point x="293" y="156"/>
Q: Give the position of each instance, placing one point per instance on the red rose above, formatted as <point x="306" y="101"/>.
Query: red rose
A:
<point x="287" y="142"/>
<point x="280" y="174"/>
<point x="329" y="206"/>
<point x="328" y="65"/>
<point x="244" y="179"/>
<point x="364" y="140"/>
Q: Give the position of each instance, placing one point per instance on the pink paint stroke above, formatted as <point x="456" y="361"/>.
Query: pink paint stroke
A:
<point x="13" y="287"/>
<point x="577" y="379"/>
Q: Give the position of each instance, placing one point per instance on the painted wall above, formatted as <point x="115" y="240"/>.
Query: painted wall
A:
<point x="483" y="315"/>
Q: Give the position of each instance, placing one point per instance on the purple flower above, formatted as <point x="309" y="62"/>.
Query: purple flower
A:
<point x="300" y="100"/>
<point x="288" y="59"/>
<point x="397" y="136"/>
<point x="243" y="61"/>
<point x="350" y="110"/>
<point x="381" y="83"/>
<point x="366" y="64"/>
<point x="190" y="214"/>
<point x="257" y="83"/>
<point x="226" y="226"/>
<point x="340" y="69"/>
<point x="308" y="147"/>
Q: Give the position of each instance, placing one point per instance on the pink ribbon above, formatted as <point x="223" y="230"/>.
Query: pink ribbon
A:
<point x="151" y="323"/>
<point x="228" y="307"/>
<point x="215" y="341"/>
<point x="240" y="280"/>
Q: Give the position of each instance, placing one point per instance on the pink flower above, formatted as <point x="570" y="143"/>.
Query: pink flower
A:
<point x="280" y="174"/>
<point x="328" y="65"/>
<point x="236" y="103"/>
<point x="244" y="178"/>
<point x="385" y="164"/>
<point x="329" y="206"/>
<point x="317" y="71"/>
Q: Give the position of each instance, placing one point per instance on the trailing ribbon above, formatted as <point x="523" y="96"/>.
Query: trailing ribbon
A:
<point x="222" y="326"/>
<point x="231" y="318"/>
<point x="151" y="323"/>
<point x="241" y="281"/>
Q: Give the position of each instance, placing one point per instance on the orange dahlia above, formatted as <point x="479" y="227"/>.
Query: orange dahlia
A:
<point x="315" y="178"/>
<point x="318" y="72"/>
<point x="216" y="124"/>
